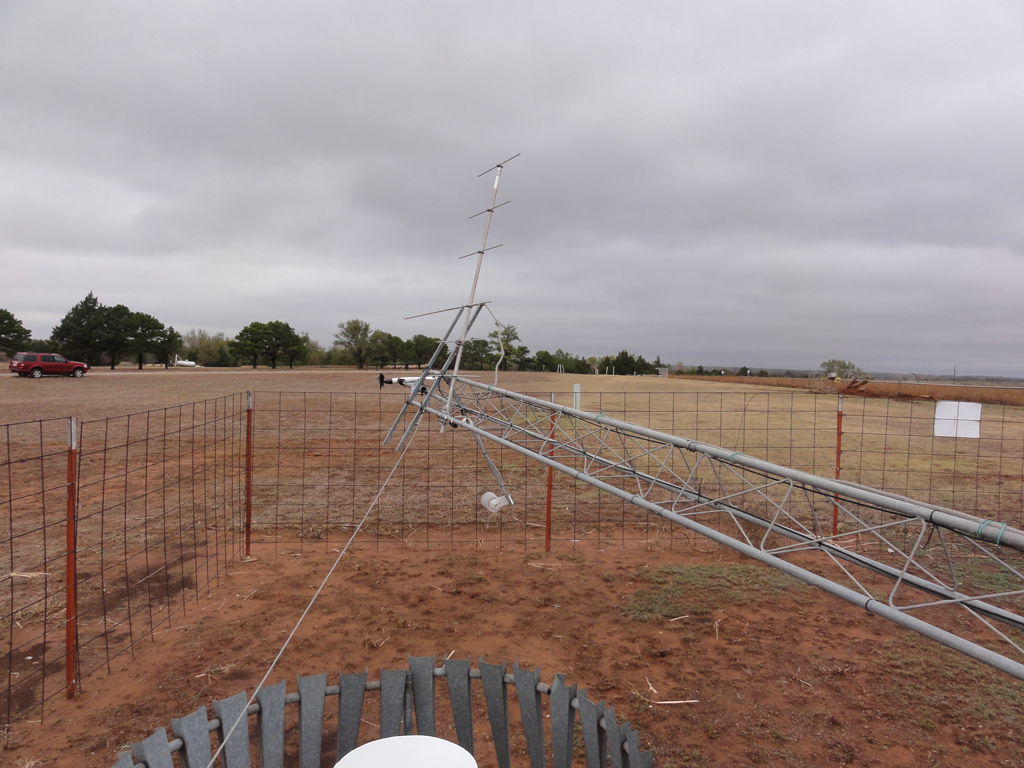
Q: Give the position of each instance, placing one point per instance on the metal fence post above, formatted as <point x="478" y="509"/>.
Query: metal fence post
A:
<point x="248" y="471"/>
<point x="551" y="482"/>
<point x="70" y="575"/>
<point x="839" y="455"/>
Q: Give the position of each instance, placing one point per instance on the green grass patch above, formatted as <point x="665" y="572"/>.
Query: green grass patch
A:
<point x="696" y="590"/>
<point x="945" y="685"/>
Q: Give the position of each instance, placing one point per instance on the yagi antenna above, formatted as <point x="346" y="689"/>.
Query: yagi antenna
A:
<point x="479" y="262"/>
<point x="467" y="312"/>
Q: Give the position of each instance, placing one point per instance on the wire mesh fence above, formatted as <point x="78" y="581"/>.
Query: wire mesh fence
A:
<point x="319" y="464"/>
<point x="888" y="444"/>
<point x="110" y="540"/>
<point x="162" y="501"/>
<point x="159" y="515"/>
<point x="319" y="467"/>
<point x="33" y="504"/>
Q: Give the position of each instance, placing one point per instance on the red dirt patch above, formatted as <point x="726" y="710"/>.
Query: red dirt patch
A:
<point x="782" y="674"/>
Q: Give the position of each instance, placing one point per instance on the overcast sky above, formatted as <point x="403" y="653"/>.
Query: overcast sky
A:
<point x="742" y="183"/>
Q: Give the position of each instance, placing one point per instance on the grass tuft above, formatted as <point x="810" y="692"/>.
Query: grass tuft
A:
<point x="696" y="590"/>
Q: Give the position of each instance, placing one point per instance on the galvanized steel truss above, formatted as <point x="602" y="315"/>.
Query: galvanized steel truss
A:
<point x="912" y="563"/>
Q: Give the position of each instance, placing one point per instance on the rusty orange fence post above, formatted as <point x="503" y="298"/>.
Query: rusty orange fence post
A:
<point x="248" y="471"/>
<point x="839" y="455"/>
<point x="70" y="616"/>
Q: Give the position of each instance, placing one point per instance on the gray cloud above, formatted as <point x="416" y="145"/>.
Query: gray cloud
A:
<point x="731" y="183"/>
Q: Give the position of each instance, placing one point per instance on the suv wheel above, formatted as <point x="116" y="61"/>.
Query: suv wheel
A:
<point x="37" y="373"/>
<point x="78" y="373"/>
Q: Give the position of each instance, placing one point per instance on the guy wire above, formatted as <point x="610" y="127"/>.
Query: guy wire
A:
<point x="244" y="713"/>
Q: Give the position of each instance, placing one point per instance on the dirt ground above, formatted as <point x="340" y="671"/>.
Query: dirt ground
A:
<point x="778" y="674"/>
<point x="103" y="393"/>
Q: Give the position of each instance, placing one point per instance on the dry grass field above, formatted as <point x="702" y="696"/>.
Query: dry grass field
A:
<point x="778" y="674"/>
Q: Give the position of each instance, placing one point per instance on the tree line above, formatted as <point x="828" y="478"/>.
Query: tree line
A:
<point x="95" y="334"/>
<point x="364" y="347"/>
<point x="358" y="345"/>
<point x="91" y="331"/>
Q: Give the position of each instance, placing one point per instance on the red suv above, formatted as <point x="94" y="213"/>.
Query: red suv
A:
<point x="36" y="364"/>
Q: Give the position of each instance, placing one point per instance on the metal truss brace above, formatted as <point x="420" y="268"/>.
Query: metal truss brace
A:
<point x="904" y="560"/>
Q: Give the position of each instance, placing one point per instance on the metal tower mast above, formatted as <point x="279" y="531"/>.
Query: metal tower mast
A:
<point x="920" y="566"/>
<point x="912" y="563"/>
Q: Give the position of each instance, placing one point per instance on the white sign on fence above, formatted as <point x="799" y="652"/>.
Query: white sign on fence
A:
<point x="954" y="419"/>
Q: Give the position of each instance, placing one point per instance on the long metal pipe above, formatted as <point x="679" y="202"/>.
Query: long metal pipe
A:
<point x="248" y="470"/>
<point x="71" y="564"/>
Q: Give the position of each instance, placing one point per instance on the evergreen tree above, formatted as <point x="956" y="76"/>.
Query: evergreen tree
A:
<point x="282" y="340"/>
<point x="393" y="350"/>
<point x="625" y="364"/>
<point x="377" y="348"/>
<point x="476" y="354"/>
<point x="545" y="361"/>
<point x="294" y="347"/>
<point x="251" y="342"/>
<point x="79" y="334"/>
<point x="14" y="337"/>
<point x="168" y="346"/>
<point x="147" y="336"/>
<point x="116" y="332"/>
<point x="423" y="348"/>
<point x="504" y="339"/>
